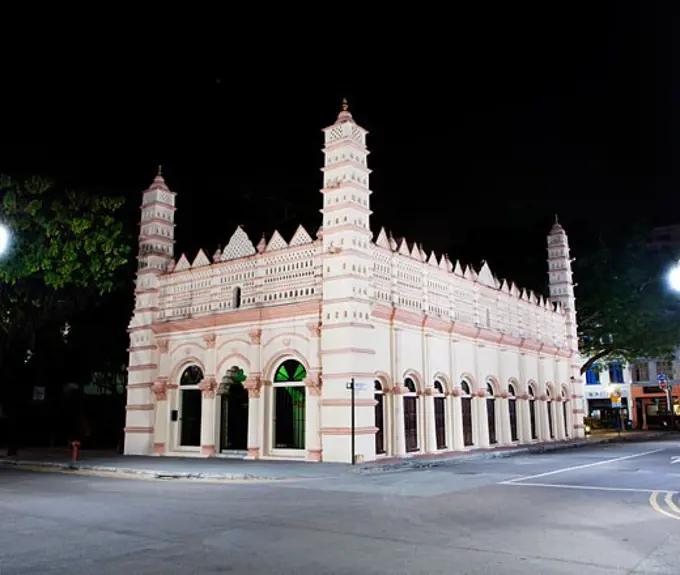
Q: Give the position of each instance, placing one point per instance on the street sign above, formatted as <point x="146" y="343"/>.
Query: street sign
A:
<point x="358" y="386"/>
<point x="615" y="397"/>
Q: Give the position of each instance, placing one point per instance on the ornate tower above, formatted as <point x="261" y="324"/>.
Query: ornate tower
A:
<point x="346" y="345"/>
<point x="156" y="243"/>
<point x="562" y="291"/>
<point x="560" y="279"/>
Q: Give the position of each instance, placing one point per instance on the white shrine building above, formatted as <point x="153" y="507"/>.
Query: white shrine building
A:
<point x="249" y="354"/>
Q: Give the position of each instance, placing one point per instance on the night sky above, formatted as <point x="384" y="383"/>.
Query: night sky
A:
<point x="482" y="125"/>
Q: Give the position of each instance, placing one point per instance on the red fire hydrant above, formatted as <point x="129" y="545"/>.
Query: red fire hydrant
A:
<point x="74" y="450"/>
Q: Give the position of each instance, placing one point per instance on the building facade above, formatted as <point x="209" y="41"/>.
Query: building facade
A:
<point x="250" y="353"/>
<point x="649" y="403"/>
<point x="603" y="380"/>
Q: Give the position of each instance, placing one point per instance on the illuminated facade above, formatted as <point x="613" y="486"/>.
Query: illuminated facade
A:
<point x="249" y="353"/>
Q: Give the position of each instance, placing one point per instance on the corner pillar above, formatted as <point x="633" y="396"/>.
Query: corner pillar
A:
<point x="160" y="428"/>
<point x="208" y="408"/>
<point x="253" y="385"/>
<point x="313" y="418"/>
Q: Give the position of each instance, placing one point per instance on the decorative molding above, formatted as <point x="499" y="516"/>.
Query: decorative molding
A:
<point x="313" y="385"/>
<point x="163" y="345"/>
<point x="210" y="340"/>
<point x="255" y="336"/>
<point x="208" y="450"/>
<point x="253" y="384"/>
<point x="160" y="389"/>
<point x="159" y="448"/>
<point x="208" y="386"/>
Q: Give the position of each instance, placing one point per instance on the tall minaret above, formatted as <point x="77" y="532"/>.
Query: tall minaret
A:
<point x="562" y="291"/>
<point x="560" y="279"/>
<point x="156" y="244"/>
<point x="347" y="348"/>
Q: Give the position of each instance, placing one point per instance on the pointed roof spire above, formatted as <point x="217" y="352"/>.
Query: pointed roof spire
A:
<point x="557" y="228"/>
<point x="344" y="115"/>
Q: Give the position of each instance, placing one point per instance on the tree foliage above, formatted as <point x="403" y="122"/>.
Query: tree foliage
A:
<point x="66" y="247"/>
<point x="625" y="306"/>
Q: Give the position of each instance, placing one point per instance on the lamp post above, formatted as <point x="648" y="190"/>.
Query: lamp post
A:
<point x="674" y="283"/>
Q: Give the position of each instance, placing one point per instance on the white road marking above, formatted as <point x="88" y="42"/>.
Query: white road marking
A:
<point x="586" y="487"/>
<point x="675" y="460"/>
<point x="584" y="466"/>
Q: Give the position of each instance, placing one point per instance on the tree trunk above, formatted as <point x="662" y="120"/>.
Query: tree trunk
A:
<point x="600" y="354"/>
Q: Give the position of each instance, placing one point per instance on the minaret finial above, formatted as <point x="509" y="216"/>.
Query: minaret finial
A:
<point x="160" y="170"/>
<point x="345" y="105"/>
<point x="556" y="220"/>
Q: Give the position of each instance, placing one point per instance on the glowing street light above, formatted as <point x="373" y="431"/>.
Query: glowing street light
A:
<point x="674" y="277"/>
<point x="4" y="238"/>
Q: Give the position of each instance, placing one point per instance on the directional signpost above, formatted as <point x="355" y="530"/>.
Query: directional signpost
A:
<point x="354" y="386"/>
<point x="663" y="384"/>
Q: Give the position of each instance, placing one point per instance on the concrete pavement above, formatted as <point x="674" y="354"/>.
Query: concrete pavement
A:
<point x="573" y="511"/>
<point x="224" y="469"/>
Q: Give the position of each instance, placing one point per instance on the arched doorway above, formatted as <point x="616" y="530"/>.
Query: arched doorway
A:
<point x="410" y="415"/>
<point x="190" y="397"/>
<point x="289" y="405"/>
<point x="565" y="411"/>
<point x="466" y="409"/>
<point x="548" y="404"/>
<point x="512" y="409"/>
<point x="439" y="414"/>
<point x="491" y="412"/>
<point x="532" y="412"/>
<point x="234" y="411"/>
<point x="379" y="418"/>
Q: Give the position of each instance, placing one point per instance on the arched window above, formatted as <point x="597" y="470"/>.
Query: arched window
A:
<point x="408" y="384"/>
<point x="237" y="297"/>
<point x="190" y="406"/>
<point x="192" y="375"/>
<point x="511" y="390"/>
<point x="289" y="405"/>
<point x="512" y="409"/>
<point x="439" y="414"/>
<point x="379" y="397"/>
<point x="465" y="386"/>
<point x="489" y="388"/>
<point x="491" y="412"/>
<point x="290" y="370"/>
<point x="439" y="388"/>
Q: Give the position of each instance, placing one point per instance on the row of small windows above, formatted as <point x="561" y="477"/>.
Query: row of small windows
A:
<point x="337" y="182"/>
<point x="345" y="315"/>
<point x="146" y="214"/>
<point x="356" y="222"/>
<point x="289" y="294"/>
<point x="355" y="268"/>
<point x="351" y="156"/>
<point x="336" y="200"/>
<point x="289" y="267"/>
<point x="237" y="277"/>
<point x="298" y="275"/>
<point x="147" y="248"/>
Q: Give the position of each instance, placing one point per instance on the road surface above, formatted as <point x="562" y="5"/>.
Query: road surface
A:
<point x="599" y="510"/>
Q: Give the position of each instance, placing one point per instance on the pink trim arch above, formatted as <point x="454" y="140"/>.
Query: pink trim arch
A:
<point x="471" y="380"/>
<point x="495" y="384"/>
<point x="384" y="379"/>
<point x="232" y="355"/>
<point x="182" y="365"/>
<point x="444" y="379"/>
<point x="279" y="358"/>
<point x="416" y="377"/>
<point x="531" y="384"/>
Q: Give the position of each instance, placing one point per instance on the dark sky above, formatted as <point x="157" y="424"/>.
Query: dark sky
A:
<point x="483" y="124"/>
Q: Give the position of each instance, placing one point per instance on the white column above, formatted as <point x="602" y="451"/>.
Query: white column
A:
<point x="524" y="419"/>
<point x="253" y="385"/>
<point x="544" y="423"/>
<point x="558" y="418"/>
<point x="160" y="428"/>
<point x="482" y="426"/>
<point x="431" y="439"/>
<point x="457" y="420"/>
<point x="313" y="418"/>
<point x="208" y="413"/>
<point x="399" y="429"/>
<point x="503" y="413"/>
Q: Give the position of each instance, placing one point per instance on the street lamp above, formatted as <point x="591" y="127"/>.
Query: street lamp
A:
<point x="4" y="238"/>
<point x="674" y="277"/>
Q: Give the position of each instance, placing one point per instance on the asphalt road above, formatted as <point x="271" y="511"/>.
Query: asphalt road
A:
<point x="598" y="510"/>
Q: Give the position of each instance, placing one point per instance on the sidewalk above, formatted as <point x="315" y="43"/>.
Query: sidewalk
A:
<point x="225" y="470"/>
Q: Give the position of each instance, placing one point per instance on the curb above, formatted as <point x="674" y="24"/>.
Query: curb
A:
<point x="408" y="464"/>
<point x="131" y="472"/>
